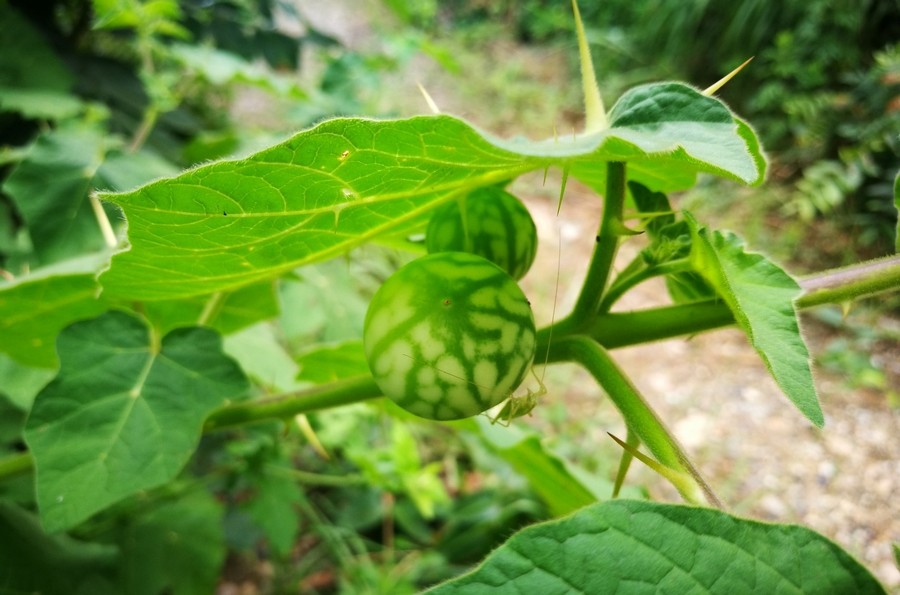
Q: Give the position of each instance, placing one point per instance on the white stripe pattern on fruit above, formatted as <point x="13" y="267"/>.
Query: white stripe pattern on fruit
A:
<point x="449" y="335"/>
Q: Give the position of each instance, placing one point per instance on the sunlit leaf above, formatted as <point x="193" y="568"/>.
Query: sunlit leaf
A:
<point x="346" y="181"/>
<point x="761" y="297"/>
<point x="333" y="361"/>
<point x="548" y="474"/>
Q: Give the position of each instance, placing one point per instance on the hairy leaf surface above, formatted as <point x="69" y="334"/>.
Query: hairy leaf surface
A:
<point x="347" y="181"/>
<point x="631" y="546"/>
<point x="761" y="296"/>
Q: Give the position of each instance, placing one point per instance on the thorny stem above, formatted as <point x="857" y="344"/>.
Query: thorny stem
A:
<point x="639" y="416"/>
<point x="618" y="329"/>
<point x="608" y="237"/>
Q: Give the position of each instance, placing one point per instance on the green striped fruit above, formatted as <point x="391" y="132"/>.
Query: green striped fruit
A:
<point x="489" y="222"/>
<point x="449" y="336"/>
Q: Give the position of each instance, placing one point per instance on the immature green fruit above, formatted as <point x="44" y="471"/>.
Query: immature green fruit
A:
<point x="489" y="222"/>
<point x="449" y="336"/>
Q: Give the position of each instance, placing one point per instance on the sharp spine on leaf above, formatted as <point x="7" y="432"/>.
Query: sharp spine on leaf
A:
<point x="721" y="82"/>
<point x="594" y="111"/>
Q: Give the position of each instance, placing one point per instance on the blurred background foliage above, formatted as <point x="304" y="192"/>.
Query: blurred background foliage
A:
<point x="108" y="94"/>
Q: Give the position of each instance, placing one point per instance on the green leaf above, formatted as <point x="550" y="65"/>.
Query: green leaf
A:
<point x="548" y="474"/>
<point x="328" y="363"/>
<point x="22" y="383"/>
<point x="34" y="562"/>
<point x="226" y="312"/>
<point x="50" y="190"/>
<point x="761" y="297"/>
<point x="263" y="358"/>
<point x="273" y="507"/>
<point x="40" y="103"/>
<point x="221" y="68"/>
<point x="897" y="207"/>
<point x="631" y="546"/>
<point x="35" y="308"/>
<point x="347" y="181"/>
<point x="26" y="58"/>
<point x="124" y="413"/>
<point x="177" y="547"/>
<point x="673" y="117"/>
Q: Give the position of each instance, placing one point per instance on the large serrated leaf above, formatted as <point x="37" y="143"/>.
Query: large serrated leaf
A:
<point x="761" y="297"/>
<point x="124" y="413"/>
<point x="347" y="181"/>
<point x="630" y="546"/>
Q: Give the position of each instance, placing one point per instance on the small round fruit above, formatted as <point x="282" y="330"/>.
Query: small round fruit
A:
<point x="496" y="226"/>
<point x="449" y="336"/>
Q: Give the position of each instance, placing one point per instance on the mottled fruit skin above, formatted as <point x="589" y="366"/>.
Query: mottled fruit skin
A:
<point x="449" y="336"/>
<point x="497" y="226"/>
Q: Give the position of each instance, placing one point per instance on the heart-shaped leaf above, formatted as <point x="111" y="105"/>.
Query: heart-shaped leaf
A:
<point x="124" y="413"/>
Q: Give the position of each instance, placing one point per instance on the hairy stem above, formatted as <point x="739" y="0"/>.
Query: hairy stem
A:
<point x="611" y="227"/>
<point x="623" y="282"/>
<point x="638" y="415"/>
<point x="335" y="394"/>
<point x="849" y="283"/>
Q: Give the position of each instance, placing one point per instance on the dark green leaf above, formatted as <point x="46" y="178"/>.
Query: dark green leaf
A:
<point x="272" y="506"/>
<point x="761" y="297"/>
<point x="33" y="562"/>
<point x="26" y="59"/>
<point x="177" y="547"/>
<point x="124" y="413"/>
<point x="548" y="475"/>
<point x="50" y="189"/>
<point x="631" y="546"/>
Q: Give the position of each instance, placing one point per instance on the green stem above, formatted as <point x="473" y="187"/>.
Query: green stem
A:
<point x="850" y="283"/>
<point x="621" y="329"/>
<point x="335" y="394"/>
<point x="317" y="479"/>
<point x="608" y="236"/>
<point x="15" y="465"/>
<point x="344" y="392"/>
<point x="625" y="282"/>
<point x="638" y="415"/>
